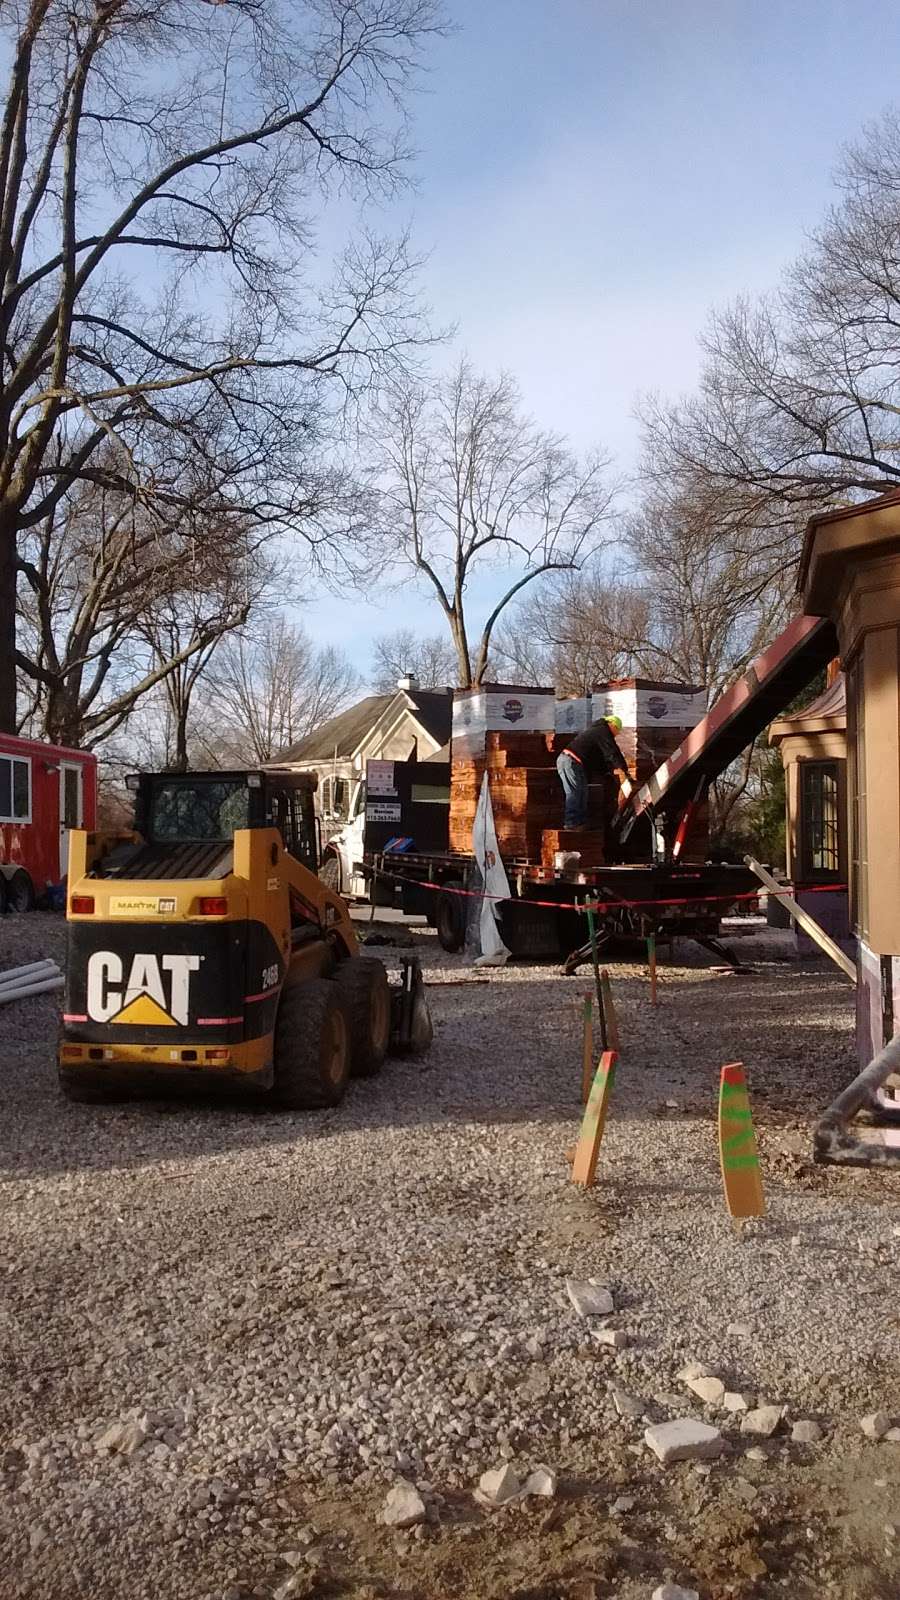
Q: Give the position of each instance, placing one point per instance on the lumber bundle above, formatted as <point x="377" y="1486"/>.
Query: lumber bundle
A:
<point x="588" y="842"/>
<point x="525" y="792"/>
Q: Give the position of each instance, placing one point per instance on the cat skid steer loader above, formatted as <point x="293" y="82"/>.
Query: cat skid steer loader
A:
<point x="204" y="951"/>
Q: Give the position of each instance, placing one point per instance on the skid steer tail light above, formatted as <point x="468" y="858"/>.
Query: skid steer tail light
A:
<point x="213" y="906"/>
<point x="82" y="905"/>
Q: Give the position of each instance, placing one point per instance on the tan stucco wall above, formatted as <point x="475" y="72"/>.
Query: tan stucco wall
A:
<point x="852" y="573"/>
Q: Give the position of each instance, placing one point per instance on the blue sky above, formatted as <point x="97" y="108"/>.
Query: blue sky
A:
<point x="593" y="175"/>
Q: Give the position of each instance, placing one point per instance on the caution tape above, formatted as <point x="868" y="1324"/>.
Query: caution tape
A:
<point x="618" y="904"/>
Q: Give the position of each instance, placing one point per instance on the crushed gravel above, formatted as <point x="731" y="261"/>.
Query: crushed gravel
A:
<point x="214" y="1319"/>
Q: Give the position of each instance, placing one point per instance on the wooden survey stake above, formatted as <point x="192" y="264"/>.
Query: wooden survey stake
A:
<point x="737" y="1146"/>
<point x="609" y="1007"/>
<point x="587" y="1058"/>
<point x="588" y="1148"/>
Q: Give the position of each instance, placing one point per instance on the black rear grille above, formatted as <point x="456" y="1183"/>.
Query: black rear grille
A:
<point x="196" y="860"/>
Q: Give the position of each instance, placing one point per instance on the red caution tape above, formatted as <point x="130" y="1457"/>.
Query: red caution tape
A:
<point x="603" y="905"/>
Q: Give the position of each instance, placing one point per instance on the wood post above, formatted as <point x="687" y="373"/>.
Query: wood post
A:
<point x="609" y="1007"/>
<point x="584" y="1166"/>
<point x="738" y="1154"/>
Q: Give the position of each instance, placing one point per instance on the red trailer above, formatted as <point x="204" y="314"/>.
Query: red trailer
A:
<point x="45" y="790"/>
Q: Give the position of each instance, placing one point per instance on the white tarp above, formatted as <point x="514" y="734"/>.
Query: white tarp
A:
<point x="499" y="711"/>
<point x="646" y="708"/>
<point x="493" y="873"/>
<point x="573" y="715"/>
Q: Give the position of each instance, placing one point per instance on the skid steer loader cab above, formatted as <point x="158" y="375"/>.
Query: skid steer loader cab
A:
<point x="203" y="945"/>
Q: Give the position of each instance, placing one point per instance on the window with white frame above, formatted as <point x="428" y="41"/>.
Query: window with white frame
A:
<point x="15" y="789"/>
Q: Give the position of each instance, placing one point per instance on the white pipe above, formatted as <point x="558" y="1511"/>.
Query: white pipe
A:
<point x="42" y="986"/>
<point x="13" y="974"/>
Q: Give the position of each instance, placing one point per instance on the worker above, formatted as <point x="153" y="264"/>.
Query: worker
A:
<point x="591" y="755"/>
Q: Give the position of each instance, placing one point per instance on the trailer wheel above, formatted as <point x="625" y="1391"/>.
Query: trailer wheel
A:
<point x="312" y="1046"/>
<point x="4" y="906"/>
<point x="363" y="983"/>
<point x="450" y="917"/>
<point x="20" y="891"/>
<point x="330" y="873"/>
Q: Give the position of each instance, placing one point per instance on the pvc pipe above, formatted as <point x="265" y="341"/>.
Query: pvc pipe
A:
<point x="41" y="986"/>
<point x="16" y="974"/>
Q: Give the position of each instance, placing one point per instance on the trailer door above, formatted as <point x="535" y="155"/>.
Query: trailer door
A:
<point x="71" y="807"/>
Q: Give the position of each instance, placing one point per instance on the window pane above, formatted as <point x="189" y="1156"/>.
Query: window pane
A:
<point x="21" y="796"/>
<point x="820" y="817"/>
<point x="5" y="787"/>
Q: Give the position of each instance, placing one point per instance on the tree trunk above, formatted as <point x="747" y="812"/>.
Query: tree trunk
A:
<point x="8" y="575"/>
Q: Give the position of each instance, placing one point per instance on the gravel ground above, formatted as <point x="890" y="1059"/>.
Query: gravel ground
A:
<point x="279" y="1315"/>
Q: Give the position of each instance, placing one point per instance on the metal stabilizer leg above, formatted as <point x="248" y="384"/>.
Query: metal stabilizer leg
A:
<point x="875" y="1141"/>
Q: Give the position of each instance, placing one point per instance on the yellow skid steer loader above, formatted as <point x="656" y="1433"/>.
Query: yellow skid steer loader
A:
<point x="204" y="951"/>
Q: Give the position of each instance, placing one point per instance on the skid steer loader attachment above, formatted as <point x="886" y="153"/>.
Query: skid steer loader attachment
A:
<point x="411" y="1026"/>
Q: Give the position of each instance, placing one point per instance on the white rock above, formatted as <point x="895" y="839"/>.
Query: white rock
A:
<point x="112" y="1438"/>
<point x="757" y="1454"/>
<point x="133" y="1436"/>
<point x="404" y="1507"/>
<point x="614" y="1337"/>
<point x="590" y="1299"/>
<point x="626" y="1404"/>
<point x="806" y="1432"/>
<point x="763" y="1421"/>
<point x="498" y="1487"/>
<point x="733" y="1400"/>
<point x="892" y="1436"/>
<point x="876" y="1424"/>
<point x="739" y="1330"/>
<point x="625" y="1502"/>
<point x="541" y="1480"/>
<point x="708" y="1389"/>
<point x="674" y="1591"/>
<point x="684" y="1440"/>
<point x="694" y="1369"/>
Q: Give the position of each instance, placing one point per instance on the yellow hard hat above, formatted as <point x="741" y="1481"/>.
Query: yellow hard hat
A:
<point x="615" y="723"/>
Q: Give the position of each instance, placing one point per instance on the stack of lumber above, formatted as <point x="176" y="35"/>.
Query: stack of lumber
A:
<point x="525" y="792"/>
<point x="586" y="842"/>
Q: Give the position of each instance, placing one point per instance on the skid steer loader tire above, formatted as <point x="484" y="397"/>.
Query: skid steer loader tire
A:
<point x="312" y="1046"/>
<point x="330" y="873"/>
<point x="364" y="985"/>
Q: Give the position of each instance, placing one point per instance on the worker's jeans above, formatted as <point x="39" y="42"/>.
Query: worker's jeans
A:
<point x="575" y="788"/>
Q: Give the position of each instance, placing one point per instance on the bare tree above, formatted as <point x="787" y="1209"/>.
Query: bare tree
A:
<point x="117" y="600"/>
<point x="403" y="653"/>
<point x="267" y="689"/>
<point x="575" y="630"/>
<point x="470" y="484"/>
<point x="799" y="400"/>
<point x="201" y="140"/>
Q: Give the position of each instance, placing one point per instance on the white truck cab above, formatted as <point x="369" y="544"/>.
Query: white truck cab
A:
<point x="342" y="850"/>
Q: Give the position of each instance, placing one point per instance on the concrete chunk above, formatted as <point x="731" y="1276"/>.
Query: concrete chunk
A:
<point x="707" y="1388"/>
<point x="674" y="1591"/>
<point x="541" y="1480"/>
<point x="684" y="1440"/>
<point x="875" y="1425"/>
<point x="733" y="1400"/>
<point x="615" y="1338"/>
<point x="404" y="1507"/>
<point x="806" y="1432"/>
<point x="590" y="1299"/>
<point x="498" y="1487"/>
<point x="763" y="1421"/>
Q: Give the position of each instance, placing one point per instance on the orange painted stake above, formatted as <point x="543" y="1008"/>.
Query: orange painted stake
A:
<point x="587" y="1059"/>
<point x="738" y="1154"/>
<point x="593" y="1123"/>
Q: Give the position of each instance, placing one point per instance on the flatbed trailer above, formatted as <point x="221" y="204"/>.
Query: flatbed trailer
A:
<point x="546" y="912"/>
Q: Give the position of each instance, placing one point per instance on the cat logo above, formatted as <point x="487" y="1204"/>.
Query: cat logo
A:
<point x="157" y="993"/>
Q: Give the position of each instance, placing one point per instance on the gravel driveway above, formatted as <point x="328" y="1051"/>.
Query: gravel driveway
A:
<point x="227" y="1333"/>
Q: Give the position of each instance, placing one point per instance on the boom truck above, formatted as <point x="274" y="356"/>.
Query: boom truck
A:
<point x="205" y="951"/>
<point x="397" y="842"/>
